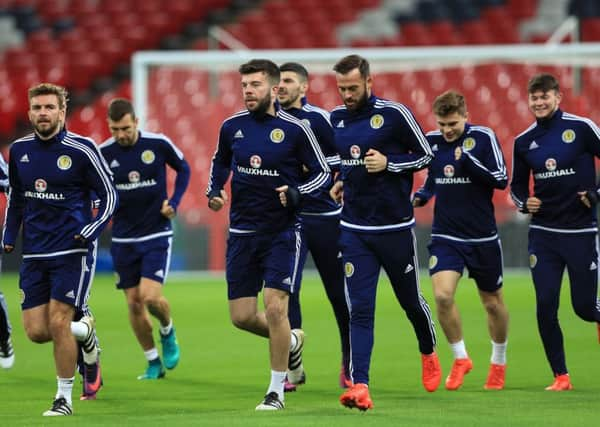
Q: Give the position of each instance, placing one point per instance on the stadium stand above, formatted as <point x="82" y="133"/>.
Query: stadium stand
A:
<point x="90" y="42"/>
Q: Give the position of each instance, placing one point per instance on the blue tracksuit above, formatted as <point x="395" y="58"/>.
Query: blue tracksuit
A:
<point x="559" y="153"/>
<point x="263" y="153"/>
<point x="463" y="190"/>
<point x="5" y="328"/>
<point x="52" y="185"/>
<point x="320" y="217"/>
<point x="377" y="219"/>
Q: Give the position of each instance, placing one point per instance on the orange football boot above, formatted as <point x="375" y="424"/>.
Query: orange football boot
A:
<point x="460" y="368"/>
<point x="431" y="371"/>
<point x="561" y="383"/>
<point x="495" y="379"/>
<point x="357" y="396"/>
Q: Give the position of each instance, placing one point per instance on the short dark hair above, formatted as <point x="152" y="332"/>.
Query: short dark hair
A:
<point x="262" y="66"/>
<point x="50" y="89"/>
<point x="350" y="62"/>
<point x="449" y="102"/>
<point x="544" y="82"/>
<point x="295" y="67"/>
<point x="119" y="108"/>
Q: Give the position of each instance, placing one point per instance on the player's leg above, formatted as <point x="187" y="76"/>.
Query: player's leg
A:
<point x="323" y="241"/>
<point x="582" y="267"/>
<point x="142" y="328"/>
<point x="485" y="267"/>
<point x="281" y="260"/>
<point x="83" y="328"/>
<point x="397" y="253"/>
<point x="155" y="263"/>
<point x="547" y="266"/>
<point x="7" y="354"/>
<point x="361" y="269"/>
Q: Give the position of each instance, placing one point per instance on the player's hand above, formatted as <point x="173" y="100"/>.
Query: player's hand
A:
<point x="337" y="192"/>
<point x="167" y="210"/>
<point x="288" y="196"/>
<point x="375" y="161"/>
<point x="216" y="203"/>
<point x="457" y="153"/>
<point x="533" y="205"/>
<point x="80" y="239"/>
<point x="8" y="248"/>
<point x="588" y="198"/>
<point x="417" y="202"/>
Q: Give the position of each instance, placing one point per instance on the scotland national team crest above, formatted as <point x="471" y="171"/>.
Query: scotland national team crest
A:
<point x="64" y="162"/>
<point x="134" y="176"/>
<point x="277" y="135"/>
<point x="40" y="185"/>
<point x="255" y="161"/>
<point x="355" y="151"/>
<point x="532" y="260"/>
<point x="550" y="164"/>
<point x="568" y="136"/>
<point x="448" y="171"/>
<point x="349" y="269"/>
<point x="433" y="260"/>
<point x="468" y="144"/>
<point x="376" y="121"/>
<point x="148" y="156"/>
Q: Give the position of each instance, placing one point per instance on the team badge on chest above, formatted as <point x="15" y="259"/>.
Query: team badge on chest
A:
<point x="468" y="144"/>
<point x="64" y="162"/>
<point x="148" y="156"/>
<point x="376" y="121"/>
<point x="568" y="136"/>
<point x="277" y="135"/>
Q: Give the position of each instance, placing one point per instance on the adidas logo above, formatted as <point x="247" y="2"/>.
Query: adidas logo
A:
<point x="533" y="145"/>
<point x="160" y="273"/>
<point x="499" y="281"/>
<point x="70" y="294"/>
<point x="340" y="124"/>
<point x="238" y="134"/>
<point x="24" y="158"/>
<point x="434" y="148"/>
<point x="593" y="266"/>
<point x="287" y="281"/>
<point x="114" y="164"/>
<point x="339" y="255"/>
<point x="408" y="268"/>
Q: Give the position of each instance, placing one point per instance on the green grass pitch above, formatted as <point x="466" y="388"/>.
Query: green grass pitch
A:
<point x="224" y="372"/>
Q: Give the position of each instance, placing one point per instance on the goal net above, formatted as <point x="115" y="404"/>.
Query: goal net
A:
<point x="186" y="95"/>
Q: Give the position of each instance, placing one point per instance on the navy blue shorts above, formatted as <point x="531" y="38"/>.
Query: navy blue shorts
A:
<point x="483" y="260"/>
<point x="254" y="259"/>
<point x="67" y="278"/>
<point x="133" y="260"/>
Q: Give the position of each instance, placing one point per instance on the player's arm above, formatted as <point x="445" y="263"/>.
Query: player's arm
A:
<point x="411" y="134"/>
<point x="488" y="167"/>
<point x="14" y="208"/>
<point x="589" y="196"/>
<point x="100" y="182"/>
<point x="174" y="158"/>
<point x="220" y="170"/>
<point x="519" y="184"/>
<point x="324" y="133"/>
<point x="426" y="192"/>
<point x="319" y="174"/>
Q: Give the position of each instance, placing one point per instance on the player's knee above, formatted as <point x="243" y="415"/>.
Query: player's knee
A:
<point x="585" y="311"/>
<point x="444" y="301"/>
<point x="38" y="334"/>
<point x="242" y="320"/>
<point x="136" y="307"/>
<point x="493" y="307"/>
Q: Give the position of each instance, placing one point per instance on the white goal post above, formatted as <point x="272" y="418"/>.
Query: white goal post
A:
<point x="381" y="59"/>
